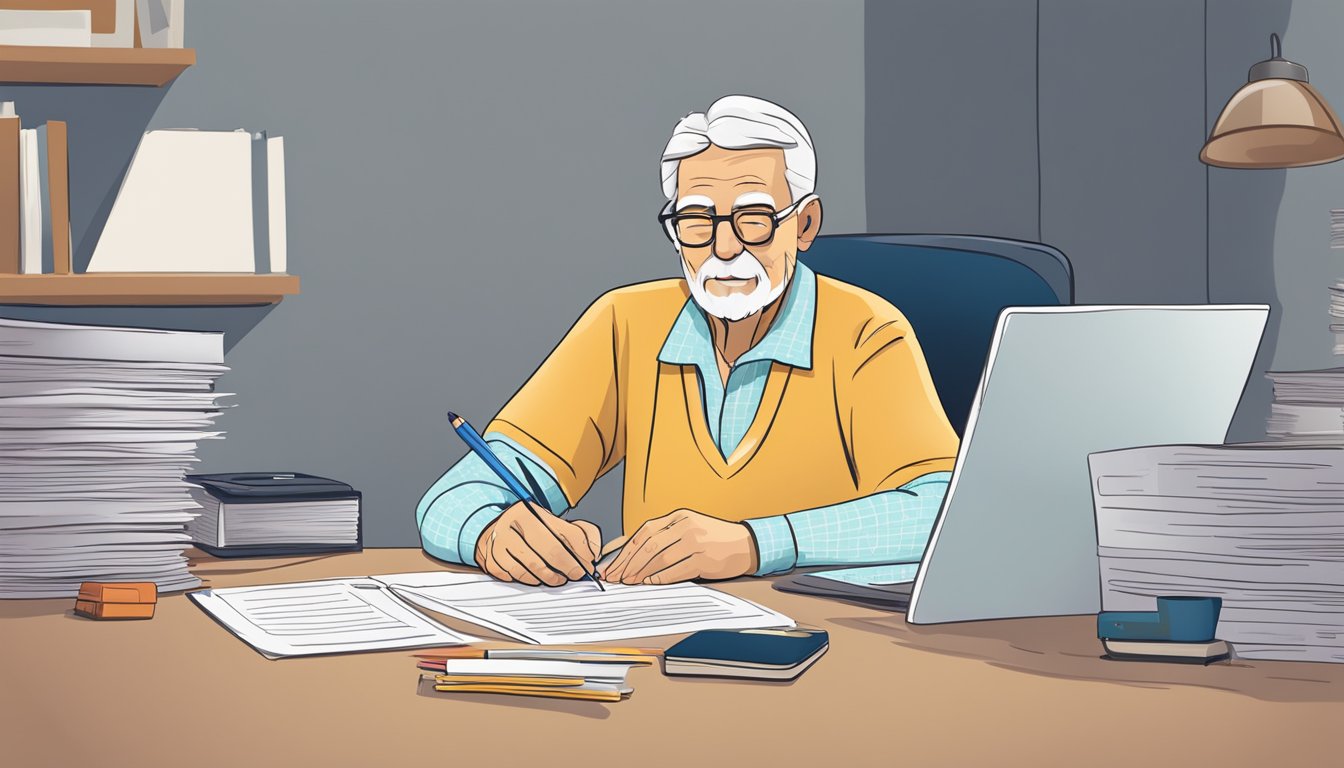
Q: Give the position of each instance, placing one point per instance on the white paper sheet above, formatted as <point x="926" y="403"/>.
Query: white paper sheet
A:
<point x="315" y="617"/>
<point x="579" y="612"/>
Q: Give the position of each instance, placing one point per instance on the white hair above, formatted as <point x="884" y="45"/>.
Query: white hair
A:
<point x="744" y="122"/>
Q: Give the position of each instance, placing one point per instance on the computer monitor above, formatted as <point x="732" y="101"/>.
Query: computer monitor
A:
<point x="1016" y="535"/>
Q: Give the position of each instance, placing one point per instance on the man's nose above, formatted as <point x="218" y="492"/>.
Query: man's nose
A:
<point x="726" y="244"/>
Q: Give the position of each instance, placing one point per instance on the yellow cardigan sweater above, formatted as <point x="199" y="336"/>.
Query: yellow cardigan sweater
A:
<point x="864" y="418"/>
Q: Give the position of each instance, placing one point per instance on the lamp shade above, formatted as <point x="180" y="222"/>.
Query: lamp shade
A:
<point x="1277" y="120"/>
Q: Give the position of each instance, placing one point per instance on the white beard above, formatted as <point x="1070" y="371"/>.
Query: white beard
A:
<point x="734" y="306"/>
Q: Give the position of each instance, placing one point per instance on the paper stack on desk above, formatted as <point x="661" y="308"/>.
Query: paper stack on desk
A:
<point x="1261" y="526"/>
<point x="98" y="427"/>
<point x="527" y="677"/>
<point x="1308" y="406"/>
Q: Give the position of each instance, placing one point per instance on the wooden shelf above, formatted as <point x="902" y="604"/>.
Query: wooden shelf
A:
<point x="146" y="289"/>
<point x="93" y="66"/>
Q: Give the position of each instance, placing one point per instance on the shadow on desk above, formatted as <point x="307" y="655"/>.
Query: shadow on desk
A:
<point x="1066" y="647"/>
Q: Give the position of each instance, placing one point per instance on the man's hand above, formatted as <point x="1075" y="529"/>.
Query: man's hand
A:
<point x="518" y="546"/>
<point x="684" y="545"/>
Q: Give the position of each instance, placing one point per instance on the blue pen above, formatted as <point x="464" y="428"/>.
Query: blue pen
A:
<point x="477" y="445"/>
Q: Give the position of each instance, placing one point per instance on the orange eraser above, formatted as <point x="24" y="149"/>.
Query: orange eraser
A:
<point x="119" y="592"/>
<point x="93" y="610"/>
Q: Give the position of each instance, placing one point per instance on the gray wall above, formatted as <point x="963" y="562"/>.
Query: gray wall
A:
<point x="1270" y="230"/>
<point x="463" y="179"/>
<point x="1078" y="123"/>
<point x="951" y="122"/>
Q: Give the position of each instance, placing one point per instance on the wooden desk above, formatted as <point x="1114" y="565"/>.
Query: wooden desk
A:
<point x="181" y="691"/>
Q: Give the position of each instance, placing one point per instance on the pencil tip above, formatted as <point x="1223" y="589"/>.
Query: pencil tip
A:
<point x="452" y="416"/>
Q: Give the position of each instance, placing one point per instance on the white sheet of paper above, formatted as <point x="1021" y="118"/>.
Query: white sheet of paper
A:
<point x="314" y="617"/>
<point x="579" y="612"/>
<point x="612" y="674"/>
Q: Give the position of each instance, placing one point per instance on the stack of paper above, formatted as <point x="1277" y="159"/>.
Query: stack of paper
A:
<point x="1261" y="526"/>
<point x="98" y="427"/>
<point x="1308" y="406"/>
<point x="1337" y="316"/>
<point x="591" y="681"/>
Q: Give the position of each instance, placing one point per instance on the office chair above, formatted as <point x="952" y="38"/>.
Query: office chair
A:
<point x="951" y="288"/>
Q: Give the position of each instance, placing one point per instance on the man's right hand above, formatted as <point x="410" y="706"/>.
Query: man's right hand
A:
<point x="524" y="547"/>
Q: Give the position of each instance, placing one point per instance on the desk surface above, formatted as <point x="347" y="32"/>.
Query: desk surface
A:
<point x="180" y="690"/>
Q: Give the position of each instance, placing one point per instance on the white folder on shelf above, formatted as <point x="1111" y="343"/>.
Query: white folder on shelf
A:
<point x="184" y="206"/>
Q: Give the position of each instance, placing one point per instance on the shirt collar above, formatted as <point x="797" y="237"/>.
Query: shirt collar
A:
<point x="789" y="340"/>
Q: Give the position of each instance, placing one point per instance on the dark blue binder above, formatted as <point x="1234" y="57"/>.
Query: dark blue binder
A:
<point x="238" y="488"/>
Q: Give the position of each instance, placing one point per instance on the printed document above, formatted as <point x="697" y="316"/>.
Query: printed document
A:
<point x="378" y="612"/>
<point x="579" y="612"/>
<point x="334" y="616"/>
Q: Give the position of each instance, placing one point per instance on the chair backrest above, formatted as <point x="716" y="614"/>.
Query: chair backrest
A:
<point x="951" y="288"/>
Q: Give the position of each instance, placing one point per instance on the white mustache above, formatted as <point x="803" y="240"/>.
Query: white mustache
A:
<point x="740" y="268"/>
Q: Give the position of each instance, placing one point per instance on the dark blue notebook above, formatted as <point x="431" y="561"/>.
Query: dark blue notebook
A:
<point x="768" y="654"/>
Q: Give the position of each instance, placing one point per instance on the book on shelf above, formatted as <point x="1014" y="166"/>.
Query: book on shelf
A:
<point x="1254" y="524"/>
<point x="268" y="203"/>
<point x="162" y="24"/>
<point x="56" y="28"/>
<point x="11" y="217"/>
<point x="196" y="201"/>
<point x="34" y="197"/>
<point x="100" y="23"/>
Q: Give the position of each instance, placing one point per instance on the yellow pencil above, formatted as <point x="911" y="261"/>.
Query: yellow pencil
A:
<point x="556" y="682"/>
<point x="549" y="693"/>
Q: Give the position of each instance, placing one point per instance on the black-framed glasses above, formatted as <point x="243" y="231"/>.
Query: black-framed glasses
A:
<point x="752" y="226"/>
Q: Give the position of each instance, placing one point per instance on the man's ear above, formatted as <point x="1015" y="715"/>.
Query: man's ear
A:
<point x="809" y="224"/>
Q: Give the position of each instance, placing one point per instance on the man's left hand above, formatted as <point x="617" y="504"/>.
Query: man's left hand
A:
<point x="684" y="545"/>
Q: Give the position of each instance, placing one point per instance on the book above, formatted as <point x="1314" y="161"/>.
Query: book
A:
<point x="761" y="654"/>
<point x="268" y="203"/>
<point x="277" y="230"/>
<point x="253" y="514"/>
<point x="1148" y="650"/>
<point x="55" y="161"/>
<point x="30" y="182"/>
<point x="185" y="205"/>
<point x="261" y="224"/>
<point x="66" y="29"/>
<point x="111" y="22"/>
<point x="162" y="24"/>
<point x="10" y="191"/>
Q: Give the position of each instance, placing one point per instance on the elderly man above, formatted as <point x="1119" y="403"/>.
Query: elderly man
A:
<point x="768" y="418"/>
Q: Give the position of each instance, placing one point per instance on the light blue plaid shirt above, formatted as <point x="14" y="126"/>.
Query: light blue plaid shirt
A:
<point x="886" y="527"/>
